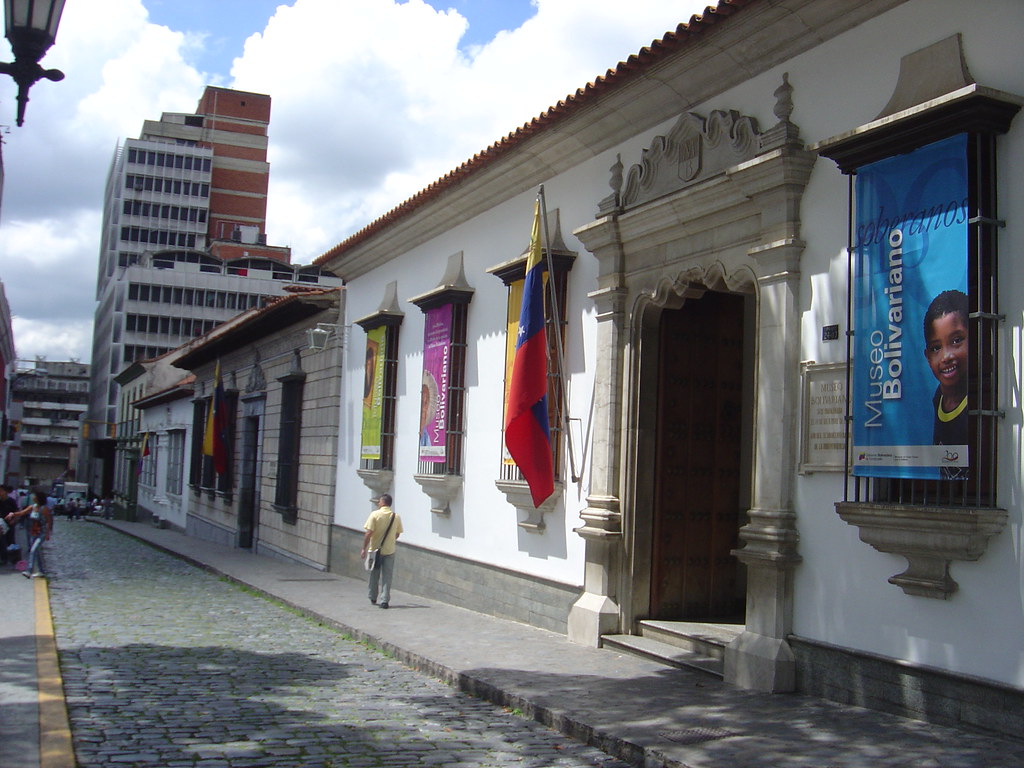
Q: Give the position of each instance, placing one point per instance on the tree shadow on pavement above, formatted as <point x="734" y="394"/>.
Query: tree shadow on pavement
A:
<point x="148" y="704"/>
<point x="676" y="717"/>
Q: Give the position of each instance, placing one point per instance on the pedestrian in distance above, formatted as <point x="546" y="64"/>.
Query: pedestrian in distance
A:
<point x="39" y="520"/>
<point x="7" y="506"/>
<point x="383" y="527"/>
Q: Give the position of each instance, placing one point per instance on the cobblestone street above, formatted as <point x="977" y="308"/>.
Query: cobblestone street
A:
<point x="165" y="664"/>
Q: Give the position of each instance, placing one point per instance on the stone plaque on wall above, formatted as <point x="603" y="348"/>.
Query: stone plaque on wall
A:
<point x="822" y="433"/>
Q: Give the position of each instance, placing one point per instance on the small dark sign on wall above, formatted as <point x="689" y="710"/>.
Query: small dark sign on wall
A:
<point x="829" y="332"/>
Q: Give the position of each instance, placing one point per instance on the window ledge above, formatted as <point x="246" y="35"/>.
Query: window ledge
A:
<point x="289" y="515"/>
<point x="518" y="494"/>
<point x="930" y="538"/>
<point x="441" y="489"/>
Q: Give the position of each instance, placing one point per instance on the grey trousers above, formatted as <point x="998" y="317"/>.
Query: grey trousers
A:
<point x="380" y="578"/>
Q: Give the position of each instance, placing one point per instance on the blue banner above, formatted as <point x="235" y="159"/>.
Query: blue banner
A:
<point x="911" y="338"/>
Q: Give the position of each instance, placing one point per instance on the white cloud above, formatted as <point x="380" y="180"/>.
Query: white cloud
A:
<point x="52" y="340"/>
<point x="51" y="244"/>
<point x="370" y="107"/>
<point x="373" y="100"/>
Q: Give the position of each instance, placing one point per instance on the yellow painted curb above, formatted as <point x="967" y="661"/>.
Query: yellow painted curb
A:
<point x="55" y="747"/>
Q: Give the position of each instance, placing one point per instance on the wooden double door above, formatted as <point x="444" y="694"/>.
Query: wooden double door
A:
<point x="699" y="458"/>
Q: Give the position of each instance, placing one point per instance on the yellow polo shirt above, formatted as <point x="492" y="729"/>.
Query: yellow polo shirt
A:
<point x="377" y="522"/>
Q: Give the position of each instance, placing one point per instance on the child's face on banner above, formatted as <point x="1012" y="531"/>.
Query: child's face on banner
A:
<point x="946" y="350"/>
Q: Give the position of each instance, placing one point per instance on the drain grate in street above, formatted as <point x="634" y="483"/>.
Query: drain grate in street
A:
<point x="697" y="735"/>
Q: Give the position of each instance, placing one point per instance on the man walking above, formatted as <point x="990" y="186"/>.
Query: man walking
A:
<point x="383" y="527"/>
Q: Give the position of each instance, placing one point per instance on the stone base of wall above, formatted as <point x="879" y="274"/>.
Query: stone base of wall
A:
<point x="269" y="550"/>
<point x="207" y="531"/>
<point x="905" y="689"/>
<point x="143" y="515"/>
<point x="465" y="583"/>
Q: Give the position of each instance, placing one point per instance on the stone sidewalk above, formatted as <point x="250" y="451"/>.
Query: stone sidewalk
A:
<point x="19" y="709"/>
<point x="631" y="708"/>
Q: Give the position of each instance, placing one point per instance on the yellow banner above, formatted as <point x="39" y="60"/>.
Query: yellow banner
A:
<point x="373" y="393"/>
<point x="515" y="302"/>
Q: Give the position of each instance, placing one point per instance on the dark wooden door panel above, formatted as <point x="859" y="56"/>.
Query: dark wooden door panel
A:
<point x="696" y="495"/>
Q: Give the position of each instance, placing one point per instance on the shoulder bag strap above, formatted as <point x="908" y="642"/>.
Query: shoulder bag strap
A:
<point x="386" y="531"/>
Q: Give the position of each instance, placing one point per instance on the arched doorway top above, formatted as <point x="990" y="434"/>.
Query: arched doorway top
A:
<point x="671" y="292"/>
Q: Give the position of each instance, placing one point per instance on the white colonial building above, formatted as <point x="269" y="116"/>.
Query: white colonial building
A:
<point x="703" y="223"/>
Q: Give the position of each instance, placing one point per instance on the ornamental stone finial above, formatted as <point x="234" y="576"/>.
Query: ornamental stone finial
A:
<point x="784" y="99"/>
<point x="611" y="202"/>
<point x="616" y="180"/>
<point x="257" y="381"/>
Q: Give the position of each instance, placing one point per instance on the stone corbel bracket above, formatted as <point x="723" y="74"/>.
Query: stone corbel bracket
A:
<point x="442" y="490"/>
<point x="518" y="494"/>
<point x="929" y="537"/>
<point x="377" y="480"/>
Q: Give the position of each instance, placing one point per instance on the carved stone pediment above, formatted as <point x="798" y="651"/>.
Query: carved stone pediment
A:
<point x="697" y="148"/>
<point x="693" y="150"/>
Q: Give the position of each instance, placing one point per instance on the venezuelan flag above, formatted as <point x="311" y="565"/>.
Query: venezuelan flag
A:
<point x="143" y="453"/>
<point x="215" y="435"/>
<point x="527" y="436"/>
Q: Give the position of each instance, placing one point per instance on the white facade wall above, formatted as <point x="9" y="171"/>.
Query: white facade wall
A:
<point x="482" y="525"/>
<point x="165" y="499"/>
<point x="841" y="593"/>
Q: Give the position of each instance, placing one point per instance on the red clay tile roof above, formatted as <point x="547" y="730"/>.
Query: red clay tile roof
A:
<point x="231" y="329"/>
<point x="624" y="72"/>
<point x="180" y="388"/>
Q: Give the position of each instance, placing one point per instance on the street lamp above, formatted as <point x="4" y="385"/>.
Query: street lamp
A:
<point x="319" y="336"/>
<point x="31" y="28"/>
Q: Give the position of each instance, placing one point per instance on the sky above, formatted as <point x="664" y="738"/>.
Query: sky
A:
<point x="373" y="100"/>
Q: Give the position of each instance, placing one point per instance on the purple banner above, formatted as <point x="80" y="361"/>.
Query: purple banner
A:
<point x="437" y="353"/>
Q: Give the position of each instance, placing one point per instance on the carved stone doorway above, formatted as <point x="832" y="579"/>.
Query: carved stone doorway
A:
<point x="698" y="509"/>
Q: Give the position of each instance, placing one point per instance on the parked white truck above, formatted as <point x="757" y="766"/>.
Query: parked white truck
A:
<point x="67" y="491"/>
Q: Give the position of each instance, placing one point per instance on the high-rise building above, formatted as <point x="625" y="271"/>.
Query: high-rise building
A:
<point x="47" y="402"/>
<point x="184" y="244"/>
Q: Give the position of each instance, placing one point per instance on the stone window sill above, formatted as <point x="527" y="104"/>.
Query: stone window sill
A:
<point x="289" y="514"/>
<point x="442" y="490"/>
<point x="518" y="494"/>
<point x="930" y="538"/>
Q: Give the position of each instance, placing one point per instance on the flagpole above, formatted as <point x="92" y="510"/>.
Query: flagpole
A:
<point x="559" y="356"/>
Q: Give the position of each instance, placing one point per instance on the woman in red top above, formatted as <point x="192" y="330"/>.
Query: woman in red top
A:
<point x="40" y="524"/>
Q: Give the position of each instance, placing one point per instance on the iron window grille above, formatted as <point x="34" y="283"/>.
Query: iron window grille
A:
<point x="390" y="376"/>
<point x="984" y="415"/>
<point x="513" y="275"/>
<point x="456" y="399"/>
<point x="289" y="445"/>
